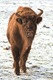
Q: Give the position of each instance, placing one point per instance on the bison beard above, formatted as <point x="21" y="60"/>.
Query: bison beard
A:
<point x="21" y="30"/>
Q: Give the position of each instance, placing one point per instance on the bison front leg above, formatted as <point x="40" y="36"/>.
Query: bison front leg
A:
<point x="16" y="56"/>
<point x="23" y="59"/>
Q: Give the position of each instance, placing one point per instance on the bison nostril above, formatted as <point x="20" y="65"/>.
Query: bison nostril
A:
<point x="31" y="27"/>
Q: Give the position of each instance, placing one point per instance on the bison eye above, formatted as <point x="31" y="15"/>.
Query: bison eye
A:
<point x="19" y="20"/>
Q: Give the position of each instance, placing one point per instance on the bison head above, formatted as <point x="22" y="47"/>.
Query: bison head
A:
<point x="29" y="20"/>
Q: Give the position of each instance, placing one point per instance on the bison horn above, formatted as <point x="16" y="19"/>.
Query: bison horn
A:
<point x="40" y="12"/>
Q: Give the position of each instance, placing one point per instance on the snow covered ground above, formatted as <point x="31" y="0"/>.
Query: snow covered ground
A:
<point x="40" y="60"/>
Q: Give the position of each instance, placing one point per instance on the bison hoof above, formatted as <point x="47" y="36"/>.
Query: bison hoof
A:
<point x="17" y="73"/>
<point x="23" y="70"/>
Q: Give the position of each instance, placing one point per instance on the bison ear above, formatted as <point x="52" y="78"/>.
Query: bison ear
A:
<point x="19" y="20"/>
<point x="39" y="19"/>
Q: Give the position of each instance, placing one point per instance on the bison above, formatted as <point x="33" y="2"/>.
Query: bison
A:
<point x="21" y="30"/>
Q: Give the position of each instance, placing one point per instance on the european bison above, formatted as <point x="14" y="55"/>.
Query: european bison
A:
<point x="21" y="30"/>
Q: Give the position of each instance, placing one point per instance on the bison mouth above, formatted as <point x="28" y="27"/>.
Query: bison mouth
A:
<point x="29" y="34"/>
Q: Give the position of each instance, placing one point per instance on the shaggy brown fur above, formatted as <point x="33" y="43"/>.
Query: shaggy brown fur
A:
<point x="21" y="30"/>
